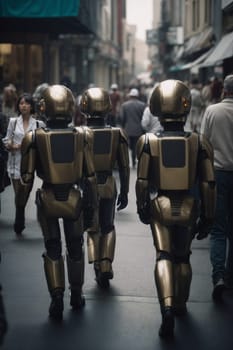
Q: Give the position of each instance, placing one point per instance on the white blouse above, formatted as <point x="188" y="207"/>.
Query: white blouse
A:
<point x="16" y="133"/>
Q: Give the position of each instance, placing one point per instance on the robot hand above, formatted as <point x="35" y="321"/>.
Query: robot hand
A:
<point x="144" y="213"/>
<point x="203" y="227"/>
<point x="122" y="201"/>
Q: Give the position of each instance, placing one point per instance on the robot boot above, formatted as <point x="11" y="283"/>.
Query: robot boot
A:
<point x="76" y="278"/>
<point x="168" y="323"/>
<point x="57" y="305"/>
<point x="54" y="272"/>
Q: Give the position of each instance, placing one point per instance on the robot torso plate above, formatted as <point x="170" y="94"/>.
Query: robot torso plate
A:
<point x="174" y="161"/>
<point x="60" y="155"/>
<point x="105" y="147"/>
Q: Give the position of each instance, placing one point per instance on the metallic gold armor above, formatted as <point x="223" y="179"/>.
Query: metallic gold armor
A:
<point x="110" y="150"/>
<point x="171" y="166"/>
<point x="62" y="158"/>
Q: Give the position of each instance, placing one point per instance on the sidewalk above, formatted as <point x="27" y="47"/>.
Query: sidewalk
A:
<point x="125" y="317"/>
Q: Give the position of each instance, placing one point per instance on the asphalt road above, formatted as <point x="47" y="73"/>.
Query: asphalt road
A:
<point x="125" y="317"/>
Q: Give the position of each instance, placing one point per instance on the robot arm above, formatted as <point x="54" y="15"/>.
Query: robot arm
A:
<point x="142" y="188"/>
<point x="207" y="188"/>
<point x="28" y="163"/>
<point x="123" y="166"/>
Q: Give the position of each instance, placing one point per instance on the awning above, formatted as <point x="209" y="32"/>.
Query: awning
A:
<point x="206" y="39"/>
<point x="199" y="42"/>
<point x="39" y="8"/>
<point x="223" y="50"/>
<point x="179" y="53"/>
<point x="175" y="68"/>
<point x="190" y="44"/>
<point x="197" y="61"/>
<point x="191" y="65"/>
<point x="40" y="16"/>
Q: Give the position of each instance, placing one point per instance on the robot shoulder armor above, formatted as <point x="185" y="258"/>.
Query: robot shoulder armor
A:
<point x="147" y="143"/>
<point x="29" y="137"/>
<point x="28" y="141"/>
<point x="88" y="134"/>
<point x="153" y="142"/>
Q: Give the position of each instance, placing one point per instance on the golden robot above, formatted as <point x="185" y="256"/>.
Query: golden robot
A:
<point x="175" y="193"/>
<point x="110" y="150"/>
<point x="62" y="158"/>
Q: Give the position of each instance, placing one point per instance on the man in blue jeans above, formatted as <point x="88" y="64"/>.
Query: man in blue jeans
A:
<point x="217" y="126"/>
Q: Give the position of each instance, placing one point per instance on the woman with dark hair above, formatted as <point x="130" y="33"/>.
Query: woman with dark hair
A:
<point x="16" y="130"/>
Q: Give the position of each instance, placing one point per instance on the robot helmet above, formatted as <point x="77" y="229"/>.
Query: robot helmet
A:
<point x="95" y="102"/>
<point x="171" y="101"/>
<point x="57" y="103"/>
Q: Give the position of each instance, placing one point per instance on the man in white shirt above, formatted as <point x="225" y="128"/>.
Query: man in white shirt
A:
<point x="217" y="126"/>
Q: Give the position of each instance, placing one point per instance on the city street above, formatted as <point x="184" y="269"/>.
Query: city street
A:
<point x="124" y="317"/>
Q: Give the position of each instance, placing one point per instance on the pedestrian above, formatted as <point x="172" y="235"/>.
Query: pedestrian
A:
<point x="193" y="122"/>
<point x="16" y="130"/>
<point x="142" y="93"/>
<point x="216" y="89"/>
<point x="150" y="123"/>
<point x="37" y="96"/>
<point x="206" y="94"/>
<point x="4" y="178"/>
<point x="130" y="117"/>
<point x="169" y="166"/>
<point x="62" y="158"/>
<point x="66" y="80"/>
<point x="110" y="148"/>
<point x="217" y="126"/>
<point x="9" y="101"/>
<point x="3" y="318"/>
<point x="4" y="120"/>
<point x="115" y="98"/>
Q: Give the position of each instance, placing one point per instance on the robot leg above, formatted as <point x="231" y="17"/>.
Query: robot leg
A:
<point x="93" y="250"/>
<point x="183" y="278"/>
<point x="165" y="288"/>
<point x="19" y="224"/>
<point x="55" y="276"/>
<point x="107" y="250"/>
<point x="73" y="230"/>
<point x="75" y="270"/>
<point x="53" y="262"/>
<point x="164" y="277"/>
<point x="182" y="269"/>
<point x="21" y="198"/>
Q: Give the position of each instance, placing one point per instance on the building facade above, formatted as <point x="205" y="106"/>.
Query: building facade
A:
<point x="85" y="44"/>
<point x="195" y="38"/>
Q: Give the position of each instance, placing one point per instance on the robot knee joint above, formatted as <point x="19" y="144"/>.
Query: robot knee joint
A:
<point x="53" y="248"/>
<point x="106" y="229"/>
<point x="164" y="255"/>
